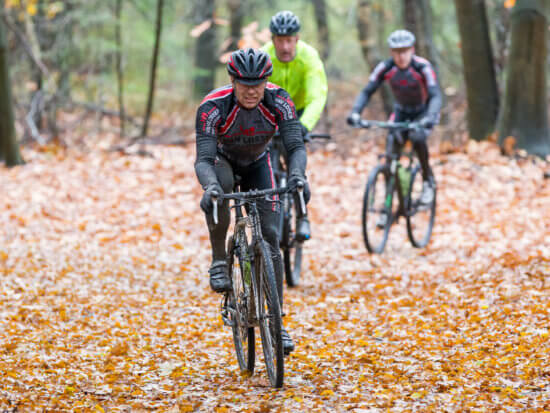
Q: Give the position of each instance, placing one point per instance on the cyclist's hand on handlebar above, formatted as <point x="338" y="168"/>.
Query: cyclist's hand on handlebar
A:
<point x="354" y="119"/>
<point x="295" y="181"/>
<point x="212" y="191"/>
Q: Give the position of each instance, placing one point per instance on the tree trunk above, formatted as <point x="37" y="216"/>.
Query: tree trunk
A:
<point x="417" y="17"/>
<point x="205" y="56"/>
<point x="9" y="149"/>
<point x="33" y="31"/>
<point x="236" y="11"/>
<point x="369" y="50"/>
<point x="119" y="68"/>
<point x="153" y="73"/>
<point x="64" y="51"/>
<point x="501" y="26"/>
<point x="320" y="9"/>
<point x="479" y="70"/>
<point x="524" y="113"/>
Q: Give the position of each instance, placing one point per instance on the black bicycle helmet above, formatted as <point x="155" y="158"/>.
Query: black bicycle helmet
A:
<point x="250" y="66"/>
<point x="400" y="39"/>
<point x="284" y="23"/>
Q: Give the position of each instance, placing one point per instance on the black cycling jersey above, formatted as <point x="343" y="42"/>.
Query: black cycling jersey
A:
<point x="415" y="88"/>
<point x="242" y="135"/>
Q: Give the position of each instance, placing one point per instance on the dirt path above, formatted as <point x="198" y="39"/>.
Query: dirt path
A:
<point x="105" y="304"/>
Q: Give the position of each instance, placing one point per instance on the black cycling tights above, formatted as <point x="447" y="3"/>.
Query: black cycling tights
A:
<point x="258" y="175"/>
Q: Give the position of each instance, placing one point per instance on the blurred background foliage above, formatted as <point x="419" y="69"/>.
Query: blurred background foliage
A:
<point x="68" y="50"/>
<point x="78" y="36"/>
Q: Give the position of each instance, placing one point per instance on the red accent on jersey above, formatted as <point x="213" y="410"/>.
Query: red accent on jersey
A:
<point x="218" y="94"/>
<point x="230" y="119"/>
<point x="272" y="86"/>
<point x="273" y="186"/>
<point x="267" y="114"/>
<point x="391" y="73"/>
<point x="422" y="82"/>
<point x="204" y="118"/>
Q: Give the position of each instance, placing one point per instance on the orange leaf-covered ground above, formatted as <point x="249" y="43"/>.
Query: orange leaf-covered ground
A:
<point x="105" y="303"/>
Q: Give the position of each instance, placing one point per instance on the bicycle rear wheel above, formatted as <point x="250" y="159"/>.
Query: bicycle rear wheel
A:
<point x="269" y="313"/>
<point x="239" y="302"/>
<point x="420" y="217"/>
<point x="377" y="209"/>
<point x="292" y="248"/>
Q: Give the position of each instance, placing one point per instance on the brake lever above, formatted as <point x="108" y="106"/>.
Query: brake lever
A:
<point x="215" y="207"/>
<point x="300" y="188"/>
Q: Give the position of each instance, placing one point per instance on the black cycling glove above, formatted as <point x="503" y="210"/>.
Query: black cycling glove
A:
<point x="293" y="183"/>
<point x="206" y="201"/>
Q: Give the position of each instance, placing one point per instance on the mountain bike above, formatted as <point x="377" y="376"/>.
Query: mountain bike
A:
<point x="253" y="300"/>
<point x="290" y="245"/>
<point x="386" y="180"/>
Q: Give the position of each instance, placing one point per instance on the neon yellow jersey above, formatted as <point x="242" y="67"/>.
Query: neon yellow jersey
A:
<point x="304" y="79"/>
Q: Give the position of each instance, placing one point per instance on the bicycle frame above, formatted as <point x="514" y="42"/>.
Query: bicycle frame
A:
<point x="393" y="159"/>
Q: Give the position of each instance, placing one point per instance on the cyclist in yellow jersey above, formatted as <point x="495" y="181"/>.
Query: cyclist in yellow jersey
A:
<point x="298" y="69"/>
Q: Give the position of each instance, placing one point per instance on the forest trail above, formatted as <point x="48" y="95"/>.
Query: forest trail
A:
<point x="105" y="304"/>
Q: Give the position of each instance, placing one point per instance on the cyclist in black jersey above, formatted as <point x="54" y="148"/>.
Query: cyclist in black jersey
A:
<point x="234" y="126"/>
<point x="417" y="98"/>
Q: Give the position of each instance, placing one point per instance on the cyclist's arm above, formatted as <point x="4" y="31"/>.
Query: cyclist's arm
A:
<point x="375" y="80"/>
<point x="294" y="146"/>
<point x="291" y="132"/>
<point x="208" y="117"/>
<point x="435" y="99"/>
<point x="316" y="88"/>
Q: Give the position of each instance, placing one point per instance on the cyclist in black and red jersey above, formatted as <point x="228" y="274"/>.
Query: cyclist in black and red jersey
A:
<point x="234" y="126"/>
<point x="417" y="98"/>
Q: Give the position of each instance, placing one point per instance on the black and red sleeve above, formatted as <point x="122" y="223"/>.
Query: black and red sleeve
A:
<point x="375" y="80"/>
<point x="206" y="127"/>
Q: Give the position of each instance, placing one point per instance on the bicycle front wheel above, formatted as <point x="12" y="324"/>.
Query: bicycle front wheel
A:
<point x="377" y="209"/>
<point x="420" y="216"/>
<point x="240" y="301"/>
<point x="269" y="313"/>
<point x="292" y="248"/>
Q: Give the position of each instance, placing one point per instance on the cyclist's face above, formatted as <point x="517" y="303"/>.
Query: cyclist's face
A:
<point x="285" y="47"/>
<point x="248" y="96"/>
<point x="402" y="57"/>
